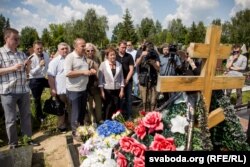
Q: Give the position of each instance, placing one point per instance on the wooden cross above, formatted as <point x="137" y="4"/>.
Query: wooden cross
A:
<point x="207" y="81"/>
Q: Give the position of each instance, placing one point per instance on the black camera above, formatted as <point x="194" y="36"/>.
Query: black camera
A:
<point x="172" y="48"/>
<point x="172" y="53"/>
<point x="152" y="54"/>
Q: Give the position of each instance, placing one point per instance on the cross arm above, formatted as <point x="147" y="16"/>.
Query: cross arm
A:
<point x="179" y="83"/>
<point x="199" y="50"/>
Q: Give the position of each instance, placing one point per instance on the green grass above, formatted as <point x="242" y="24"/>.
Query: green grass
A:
<point x="245" y="97"/>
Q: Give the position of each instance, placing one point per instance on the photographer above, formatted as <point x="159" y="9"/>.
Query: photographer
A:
<point x="148" y="63"/>
<point x="170" y="64"/>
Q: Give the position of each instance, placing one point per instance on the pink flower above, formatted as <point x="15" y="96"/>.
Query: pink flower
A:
<point x="126" y="143"/>
<point x="139" y="162"/>
<point x="161" y="143"/>
<point x="121" y="160"/>
<point x="138" y="149"/>
<point x="152" y="120"/>
<point x="140" y="130"/>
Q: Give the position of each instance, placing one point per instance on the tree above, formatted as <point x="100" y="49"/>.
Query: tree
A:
<point x="241" y="27"/>
<point x="94" y="27"/>
<point x="28" y="36"/>
<point x="177" y="31"/>
<point x="201" y="32"/>
<point x="46" y="38"/>
<point x="4" y="23"/>
<point x="125" y="30"/>
<point x="158" y="27"/>
<point x="117" y="33"/>
<point x="216" y="22"/>
<point x="226" y="32"/>
<point x="146" y="29"/>
<point x="56" y="34"/>
<point x="191" y="35"/>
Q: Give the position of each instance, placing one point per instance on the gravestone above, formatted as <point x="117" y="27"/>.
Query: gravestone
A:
<point x="18" y="157"/>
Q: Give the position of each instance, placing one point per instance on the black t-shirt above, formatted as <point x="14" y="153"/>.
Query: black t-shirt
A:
<point x="126" y="61"/>
<point x="145" y="67"/>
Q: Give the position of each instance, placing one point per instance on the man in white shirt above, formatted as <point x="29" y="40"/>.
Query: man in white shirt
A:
<point x="57" y="82"/>
<point x="77" y="76"/>
<point x="37" y="74"/>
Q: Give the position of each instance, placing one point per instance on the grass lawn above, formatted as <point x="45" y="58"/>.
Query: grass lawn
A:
<point x="245" y="98"/>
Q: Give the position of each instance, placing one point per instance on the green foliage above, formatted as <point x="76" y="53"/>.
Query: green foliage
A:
<point x="229" y="134"/>
<point x="94" y="27"/>
<point x="125" y="30"/>
<point x="147" y="29"/>
<point x="25" y="140"/>
<point x="240" y="28"/>
<point x="57" y="34"/>
<point x="177" y="31"/>
<point x="4" y="23"/>
<point x="201" y="135"/>
<point x="28" y="36"/>
<point x="47" y="39"/>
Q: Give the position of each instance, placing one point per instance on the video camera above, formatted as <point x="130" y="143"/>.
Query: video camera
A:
<point x="172" y="52"/>
<point x="152" y="55"/>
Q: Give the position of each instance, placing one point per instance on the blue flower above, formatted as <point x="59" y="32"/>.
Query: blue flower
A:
<point x="110" y="127"/>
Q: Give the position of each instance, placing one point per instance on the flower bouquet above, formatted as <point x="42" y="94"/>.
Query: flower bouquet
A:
<point x="85" y="132"/>
<point x="97" y="150"/>
<point x="119" y="117"/>
<point x="148" y="136"/>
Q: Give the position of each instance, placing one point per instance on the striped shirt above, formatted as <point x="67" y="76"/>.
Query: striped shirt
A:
<point x="12" y="82"/>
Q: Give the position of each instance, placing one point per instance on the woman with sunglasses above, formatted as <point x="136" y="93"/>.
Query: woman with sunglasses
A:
<point x="94" y="96"/>
<point x="236" y="65"/>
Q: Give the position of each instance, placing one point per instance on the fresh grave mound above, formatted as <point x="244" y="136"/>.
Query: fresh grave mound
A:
<point x="164" y="131"/>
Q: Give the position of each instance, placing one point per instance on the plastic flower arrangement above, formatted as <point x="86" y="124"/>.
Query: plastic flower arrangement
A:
<point x="118" y="116"/>
<point x="110" y="127"/>
<point x="97" y="150"/>
<point x="147" y="136"/>
<point x="85" y="132"/>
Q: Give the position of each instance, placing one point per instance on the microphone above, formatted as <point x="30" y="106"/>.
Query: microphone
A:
<point x="42" y="57"/>
<point x="29" y="58"/>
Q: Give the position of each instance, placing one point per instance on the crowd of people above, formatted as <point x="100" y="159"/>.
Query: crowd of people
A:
<point x="91" y="89"/>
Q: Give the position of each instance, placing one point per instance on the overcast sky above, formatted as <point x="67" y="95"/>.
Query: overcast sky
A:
<point x="40" y="13"/>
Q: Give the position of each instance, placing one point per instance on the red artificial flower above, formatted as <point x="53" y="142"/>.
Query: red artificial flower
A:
<point x="152" y="120"/>
<point x="126" y="143"/>
<point x="139" y="162"/>
<point x="161" y="143"/>
<point x="138" y="149"/>
<point x="121" y="160"/>
<point x="140" y="130"/>
<point x="142" y="113"/>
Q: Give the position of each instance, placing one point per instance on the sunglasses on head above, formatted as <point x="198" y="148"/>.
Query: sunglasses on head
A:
<point x="236" y="52"/>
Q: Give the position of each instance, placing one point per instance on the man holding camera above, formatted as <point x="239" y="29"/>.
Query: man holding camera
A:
<point x="148" y="63"/>
<point x="170" y="63"/>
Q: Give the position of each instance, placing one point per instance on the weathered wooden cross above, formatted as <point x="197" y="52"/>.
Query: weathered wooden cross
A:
<point x="207" y="81"/>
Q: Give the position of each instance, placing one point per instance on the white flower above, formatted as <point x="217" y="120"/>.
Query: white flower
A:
<point x="181" y="148"/>
<point x="110" y="163"/>
<point x="178" y="124"/>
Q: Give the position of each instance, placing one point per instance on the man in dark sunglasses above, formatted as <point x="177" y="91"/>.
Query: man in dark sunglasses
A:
<point x="236" y="65"/>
